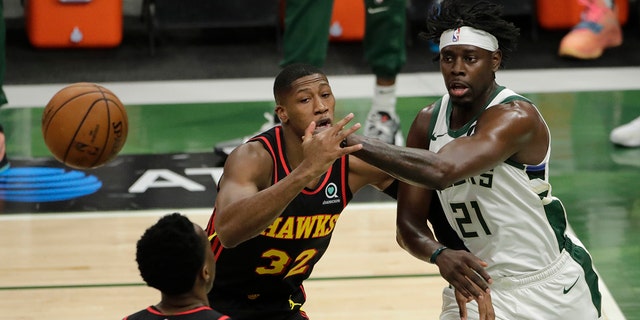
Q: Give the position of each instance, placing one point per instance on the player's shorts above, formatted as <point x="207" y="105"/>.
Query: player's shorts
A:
<point x="559" y="291"/>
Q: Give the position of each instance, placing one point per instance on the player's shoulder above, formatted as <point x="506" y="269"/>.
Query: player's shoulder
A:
<point x="249" y="162"/>
<point x="428" y="111"/>
<point x="514" y="100"/>
<point x="213" y="314"/>
<point x="251" y="151"/>
<point x="514" y="115"/>
<point x="516" y="107"/>
<point x="432" y="107"/>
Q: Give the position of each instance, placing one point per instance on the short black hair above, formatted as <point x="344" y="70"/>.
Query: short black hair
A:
<point x="291" y="73"/>
<point x="170" y="254"/>
<point x="482" y="15"/>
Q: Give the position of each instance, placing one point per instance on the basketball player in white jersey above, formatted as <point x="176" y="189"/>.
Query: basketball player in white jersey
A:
<point x="485" y="149"/>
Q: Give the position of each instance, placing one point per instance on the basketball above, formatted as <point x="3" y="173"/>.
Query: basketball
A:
<point x="84" y="125"/>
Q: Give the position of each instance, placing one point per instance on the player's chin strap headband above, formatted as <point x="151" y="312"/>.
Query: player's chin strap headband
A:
<point x="469" y="36"/>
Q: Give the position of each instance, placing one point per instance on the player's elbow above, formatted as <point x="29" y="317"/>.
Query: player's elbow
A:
<point x="442" y="184"/>
<point x="441" y="176"/>
<point x="227" y="240"/>
<point x="403" y="235"/>
<point x="227" y="235"/>
<point x="400" y="240"/>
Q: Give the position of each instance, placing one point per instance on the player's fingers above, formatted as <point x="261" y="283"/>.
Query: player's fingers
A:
<point x="308" y="133"/>
<point x="351" y="149"/>
<point x="485" y="308"/>
<point x="480" y="269"/>
<point x="470" y="291"/>
<point x="482" y="308"/>
<point x="480" y="278"/>
<point x="462" y="305"/>
<point x="343" y="122"/>
<point x="351" y="130"/>
<point x="482" y="272"/>
<point x="465" y="288"/>
<point x="342" y="132"/>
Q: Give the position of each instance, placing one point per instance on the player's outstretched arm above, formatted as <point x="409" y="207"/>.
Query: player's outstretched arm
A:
<point x="511" y="131"/>
<point x="248" y="201"/>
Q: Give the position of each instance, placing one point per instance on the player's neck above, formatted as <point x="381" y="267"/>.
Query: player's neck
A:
<point x="463" y="112"/>
<point x="294" y="157"/>
<point x="293" y="149"/>
<point x="177" y="304"/>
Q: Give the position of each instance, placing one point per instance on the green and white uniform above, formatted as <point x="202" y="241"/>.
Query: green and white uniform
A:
<point x="508" y="217"/>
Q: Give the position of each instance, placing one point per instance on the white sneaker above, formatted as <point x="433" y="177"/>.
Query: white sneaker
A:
<point x="627" y="135"/>
<point x="224" y="148"/>
<point x="384" y="126"/>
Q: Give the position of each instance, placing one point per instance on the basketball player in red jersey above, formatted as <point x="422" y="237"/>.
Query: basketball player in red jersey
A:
<point x="173" y="256"/>
<point x="279" y="199"/>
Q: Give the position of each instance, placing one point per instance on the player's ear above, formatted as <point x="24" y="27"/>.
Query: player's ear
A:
<point x="205" y="272"/>
<point x="281" y="113"/>
<point x="496" y="60"/>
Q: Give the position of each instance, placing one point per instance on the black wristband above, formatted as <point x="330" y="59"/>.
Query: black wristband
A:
<point x="436" y="253"/>
<point x="343" y="143"/>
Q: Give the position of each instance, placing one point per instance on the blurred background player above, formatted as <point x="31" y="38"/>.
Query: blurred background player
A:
<point x="306" y="39"/>
<point x="174" y="257"/>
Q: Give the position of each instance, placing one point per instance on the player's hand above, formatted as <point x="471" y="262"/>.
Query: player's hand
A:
<point x="485" y="306"/>
<point x="323" y="148"/>
<point x="465" y="272"/>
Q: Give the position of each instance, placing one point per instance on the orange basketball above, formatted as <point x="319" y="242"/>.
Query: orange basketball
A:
<point x="84" y="125"/>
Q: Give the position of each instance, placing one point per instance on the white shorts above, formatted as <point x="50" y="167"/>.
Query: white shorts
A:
<point x="560" y="291"/>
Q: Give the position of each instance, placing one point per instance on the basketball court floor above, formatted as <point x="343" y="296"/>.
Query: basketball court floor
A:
<point x="69" y="253"/>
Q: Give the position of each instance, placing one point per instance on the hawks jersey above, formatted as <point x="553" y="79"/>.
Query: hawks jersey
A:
<point x="269" y="269"/>
<point x="507" y="215"/>
<point x="199" y="313"/>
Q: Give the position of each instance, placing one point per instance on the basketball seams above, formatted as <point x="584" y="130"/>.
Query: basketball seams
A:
<point x="78" y="127"/>
<point x="64" y="104"/>
<point x="105" y="92"/>
<point x="108" y="137"/>
<point x="77" y="115"/>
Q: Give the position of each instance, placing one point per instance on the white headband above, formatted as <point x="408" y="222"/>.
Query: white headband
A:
<point x="469" y="36"/>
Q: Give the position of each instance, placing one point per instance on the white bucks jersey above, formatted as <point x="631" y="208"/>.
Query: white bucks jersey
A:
<point x="505" y="216"/>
